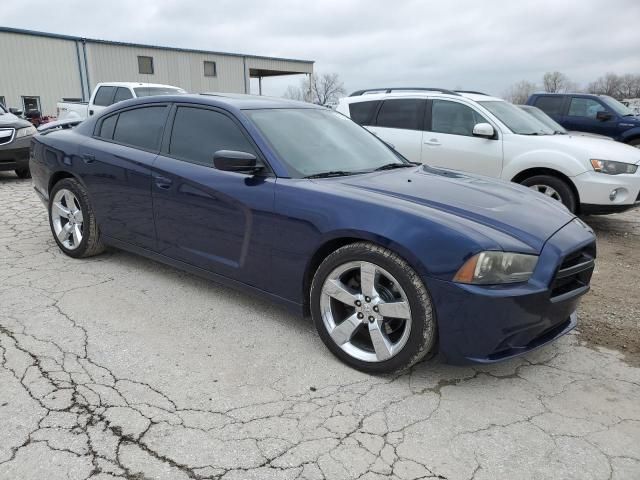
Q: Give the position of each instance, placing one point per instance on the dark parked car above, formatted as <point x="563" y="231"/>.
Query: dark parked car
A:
<point x="599" y="114"/>
<point x="300" y="204"/>
<point x="15" y="138"/>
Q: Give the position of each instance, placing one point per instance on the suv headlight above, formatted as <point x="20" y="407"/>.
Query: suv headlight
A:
<point x="25" y="132"/>
<point x="490" y="268"/>
<point x="612" y="168"/>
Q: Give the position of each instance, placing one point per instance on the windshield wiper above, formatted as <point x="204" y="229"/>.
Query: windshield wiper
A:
<point x="559" y="132"/>
<point x="332" y="173"/>
<point x="391" y="166"/>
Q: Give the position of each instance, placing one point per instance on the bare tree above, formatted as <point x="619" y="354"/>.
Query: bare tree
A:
<point x="518" y="93"/>
<point x="320" y="89"/>
<point x="555" y="82"/>
<point x="609" y="84"/>
<point x="629" y="86"/>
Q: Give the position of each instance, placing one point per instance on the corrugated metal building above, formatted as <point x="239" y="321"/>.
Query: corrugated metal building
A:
<point x="39" y="69"/>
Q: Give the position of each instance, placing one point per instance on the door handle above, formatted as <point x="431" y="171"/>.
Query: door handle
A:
<point x="432" y="141"/>
<point x="163" y="182"/>
<point x="88" y="158"/>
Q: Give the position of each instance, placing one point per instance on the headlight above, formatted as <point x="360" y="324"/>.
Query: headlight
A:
<point x="612" y="168"/>
<point x="489" y="268"/>
<point x="25" y="132"/>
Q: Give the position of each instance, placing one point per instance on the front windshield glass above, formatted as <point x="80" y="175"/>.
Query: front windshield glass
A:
<point x="153" y="91"/>
<point x="544" y="118"/>
<point x="515" y="119"/>
<point x="618" y="107"/>
<point x="316" y="141"/>
<point x="2" y="109"/>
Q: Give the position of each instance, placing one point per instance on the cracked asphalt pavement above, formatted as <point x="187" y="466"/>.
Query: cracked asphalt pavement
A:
<point x="119" y="367"/>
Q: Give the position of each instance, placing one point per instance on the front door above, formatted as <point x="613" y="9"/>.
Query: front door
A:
<point x="582" y="117"/>
<point x="205" y="217"/>
<point x="449" y="142"/>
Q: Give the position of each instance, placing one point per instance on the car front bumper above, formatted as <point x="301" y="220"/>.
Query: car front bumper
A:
<point x="486" y="324"/>
<point x="595" y="190"/>
<point x="15" y="155"/>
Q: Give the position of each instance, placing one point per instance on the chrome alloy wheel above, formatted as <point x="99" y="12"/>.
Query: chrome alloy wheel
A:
<point x="365" y="311"/>
<point x="547" y="190"/>
<point x="66" y="217"/>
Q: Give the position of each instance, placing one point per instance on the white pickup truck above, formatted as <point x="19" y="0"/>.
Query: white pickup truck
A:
<point x="106" y="94"/>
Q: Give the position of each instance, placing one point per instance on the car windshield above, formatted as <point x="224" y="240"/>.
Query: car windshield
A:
<point x="153" y="91"/>
<point x="618" y="107"/>
<point x="2" y="109"/>
<point x="515" y="119"/>
<point x="320" y="141"/>
<point x="543" y="117"/>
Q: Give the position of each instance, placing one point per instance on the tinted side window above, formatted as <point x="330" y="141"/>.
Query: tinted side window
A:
<point x="454" y="118"/>
<point x="198" y="133"/>
<point x="103" y="96"/>
<point x="400" y="113"/>
<point x="362" y="112"/>
<point x="585" y="107"/>
<point x="550" y="105"/>
<point x="107" y="127"/>
<point x="122" y="94"/>
<point x="141" y="127"/>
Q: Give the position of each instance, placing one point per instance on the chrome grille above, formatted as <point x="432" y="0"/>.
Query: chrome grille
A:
<point x="6" y="135"/>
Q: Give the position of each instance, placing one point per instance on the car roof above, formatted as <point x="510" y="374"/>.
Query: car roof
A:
<point x="233" y="100"/>
<point x="476" y="97"/>
<point x="135" y="84"/>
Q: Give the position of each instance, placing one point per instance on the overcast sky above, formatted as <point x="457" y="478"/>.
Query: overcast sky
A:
<point x="484" y="45"/>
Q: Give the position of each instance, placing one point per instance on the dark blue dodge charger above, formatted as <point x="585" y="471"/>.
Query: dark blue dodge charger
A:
<point x="296" y="202"/>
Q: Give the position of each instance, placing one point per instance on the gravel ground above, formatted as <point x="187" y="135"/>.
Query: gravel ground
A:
<point x="119" y="367"/>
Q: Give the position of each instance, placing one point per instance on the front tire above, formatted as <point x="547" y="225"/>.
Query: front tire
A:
<point x="372" y="310"/>
<point x="72" y="220"/>
<point x="554" y="188"/>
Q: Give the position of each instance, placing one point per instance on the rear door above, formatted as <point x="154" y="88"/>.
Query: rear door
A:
<point x="552" y="105"/>
<point x="205" y="217"/>
<point x="582" y="116"/>
<point x="399" y="122"/>
<point x="449" y="141"/>
<point x="116" y="166"/>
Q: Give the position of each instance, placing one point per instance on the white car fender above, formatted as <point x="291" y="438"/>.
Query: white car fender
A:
<point x="562" y="162"/>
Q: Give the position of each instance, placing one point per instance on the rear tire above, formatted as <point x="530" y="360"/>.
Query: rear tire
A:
<point x="72" y="221"/>
<point x="23" y="172"/>
<point x="387" y="331"/>
<point x="554" y="188"/>
<point x="634" y="143"/>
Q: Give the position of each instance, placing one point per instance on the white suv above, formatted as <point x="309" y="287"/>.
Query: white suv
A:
<point x="476" y="133"/>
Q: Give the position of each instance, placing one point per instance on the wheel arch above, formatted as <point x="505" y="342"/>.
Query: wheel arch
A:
<point x="532" y="172"/>
<point x="60" y="175"/>
<point x="330" y="245"/>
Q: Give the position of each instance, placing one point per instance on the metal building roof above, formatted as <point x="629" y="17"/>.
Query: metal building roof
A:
<point x="142" y="45"/>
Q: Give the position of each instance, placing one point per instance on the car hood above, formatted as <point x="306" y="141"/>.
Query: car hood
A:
<point x="511" y="209"/>
<point x="588" y="147"/>
<point x="9" y="120"/>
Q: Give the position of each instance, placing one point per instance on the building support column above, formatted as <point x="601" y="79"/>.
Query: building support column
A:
<point x="259" y="85"/>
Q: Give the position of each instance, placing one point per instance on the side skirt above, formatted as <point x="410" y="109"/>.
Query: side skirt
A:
<point x="226" y="281"/>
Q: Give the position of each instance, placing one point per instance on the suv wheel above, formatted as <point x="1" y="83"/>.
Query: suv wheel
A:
<point x="552" y="187"/>
<point x="372" y="310"/>
<point x="635" y="142"/>
<point x="72" y="221"/>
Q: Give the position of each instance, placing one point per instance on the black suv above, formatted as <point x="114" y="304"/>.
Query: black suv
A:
<point x="15" y="138"/>
<point x="585" y="112"/>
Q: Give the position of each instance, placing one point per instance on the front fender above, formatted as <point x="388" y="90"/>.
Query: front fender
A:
<point x="564" y="163"/>
<point x="629" y="134"/>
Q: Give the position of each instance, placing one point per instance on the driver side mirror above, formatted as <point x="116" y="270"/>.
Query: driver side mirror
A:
<point x="15" y="111"/>
<point x="483" y="130"/>
<point x="603" y="115"/>
<point x="234" y="161"/>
